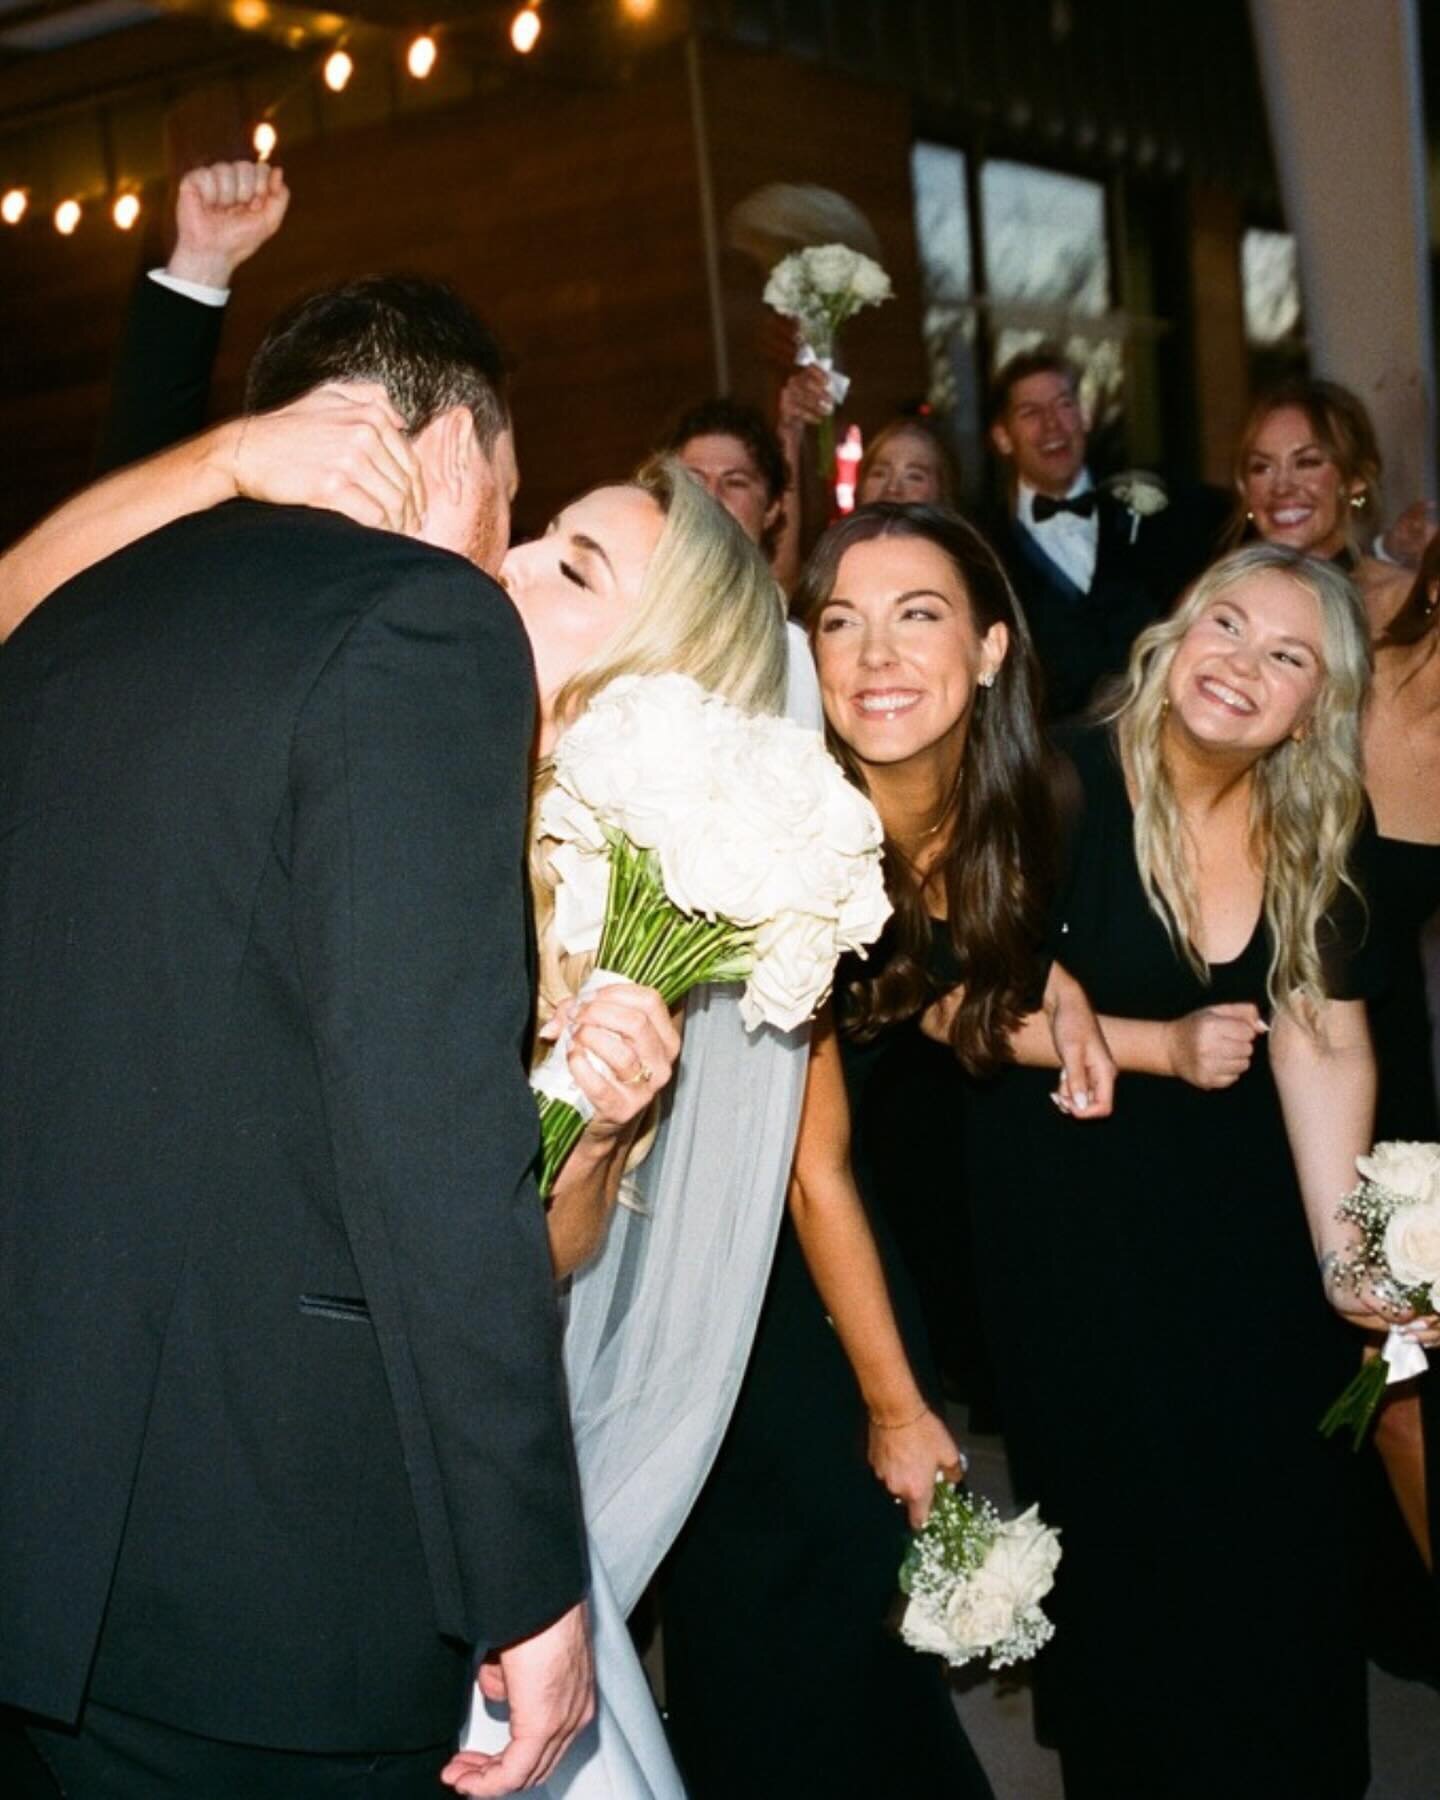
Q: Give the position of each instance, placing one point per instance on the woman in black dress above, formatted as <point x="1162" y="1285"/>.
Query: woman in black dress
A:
<point x="1402" y="777"/>
<point x="1161" y="1335"/>
<point x="1307" y="475"/>
<point x="785" y="1576"/>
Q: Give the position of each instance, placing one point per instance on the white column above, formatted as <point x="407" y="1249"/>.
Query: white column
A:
<point x="1342" y="89"/>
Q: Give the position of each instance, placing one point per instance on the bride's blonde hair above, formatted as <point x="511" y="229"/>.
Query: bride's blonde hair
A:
<point x="1308" y="798"/>
<point x="708" y="608"/>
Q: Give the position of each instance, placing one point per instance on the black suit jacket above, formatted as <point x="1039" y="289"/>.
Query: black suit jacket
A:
<point x="283" y="1436"/>
<point x="160" y="385"/>
<point x="1141" y="568"/>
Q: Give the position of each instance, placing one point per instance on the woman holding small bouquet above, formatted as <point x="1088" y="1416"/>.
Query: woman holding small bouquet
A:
<point x="928" y="687"/>
<point x="1163" y="1344"/>
<point x="1402" y="778"/>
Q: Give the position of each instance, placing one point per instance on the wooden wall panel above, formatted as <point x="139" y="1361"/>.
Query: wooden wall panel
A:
<point x="569" y="217"/>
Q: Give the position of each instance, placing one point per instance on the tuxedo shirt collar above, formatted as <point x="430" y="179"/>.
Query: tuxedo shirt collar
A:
<point x="1025" y="497"/>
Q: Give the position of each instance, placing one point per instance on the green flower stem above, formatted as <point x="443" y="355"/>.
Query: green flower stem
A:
<point x="1355" y="1408"/>
<point x="648" y="940"/>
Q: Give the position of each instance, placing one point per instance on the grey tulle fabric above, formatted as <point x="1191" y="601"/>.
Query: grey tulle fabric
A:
<point x="658" y="1333"/>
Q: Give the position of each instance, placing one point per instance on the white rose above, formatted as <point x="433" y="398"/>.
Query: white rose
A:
<point x="582" y="887"/>
<point x="1409" y="1169"/>
<point x="980" y="1614"/>
<point x="1144" y="494"/>
<point x="794" y="965"/>
<point x="864" y="913"/>
<point x="560" y="815"/>
<point x="1412" y="1244"/>
<point x="831" y="268"/>
<point x="785" y="290"/>
<point x="870" y="284"/>
<point x="1022" y="1560"/>
<point x="716" y="863"/>
<point x="637" y="754"/>
<point x="923" y="1627"/>
<point x="1435" y="1296"/>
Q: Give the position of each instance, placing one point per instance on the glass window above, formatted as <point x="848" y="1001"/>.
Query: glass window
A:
<point x="1270" y="274"/>
<point x="1045" y="240"/>
<point x="1047" y="269"/>
<point x="942" y="226"/>
<point x="947" y="264"/>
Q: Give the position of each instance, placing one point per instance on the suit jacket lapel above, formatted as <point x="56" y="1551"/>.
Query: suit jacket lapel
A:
<point x="1048" y="570"/>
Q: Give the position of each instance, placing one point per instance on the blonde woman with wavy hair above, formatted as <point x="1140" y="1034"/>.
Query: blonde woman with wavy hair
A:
<point x="1212" y="913"/>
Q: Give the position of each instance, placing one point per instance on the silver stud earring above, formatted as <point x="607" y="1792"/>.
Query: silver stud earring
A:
<point x="987" y="680"/>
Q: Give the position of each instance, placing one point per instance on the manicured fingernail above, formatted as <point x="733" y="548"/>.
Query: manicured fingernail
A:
<point x="1082" y="1101"/>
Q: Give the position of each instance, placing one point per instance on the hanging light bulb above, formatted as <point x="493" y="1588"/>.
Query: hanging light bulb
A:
<point x="67" y="216"/>
<point x="339" y="67"/>
<point x="638" y="9"/>
<point x="525" y="29"/>
<point x="126" y="211"/>
<point x="420" y="57"/>
<point x="14" y="206"/>
<point x="265" y="139"/>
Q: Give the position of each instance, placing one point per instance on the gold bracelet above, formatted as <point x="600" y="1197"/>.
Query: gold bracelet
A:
<point x="898" y="1424"/>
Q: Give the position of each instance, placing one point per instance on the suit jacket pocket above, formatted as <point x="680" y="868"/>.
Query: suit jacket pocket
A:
<point x="336" y="1306"/>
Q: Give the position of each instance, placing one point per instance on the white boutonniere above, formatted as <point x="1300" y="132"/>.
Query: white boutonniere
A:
<point x="1141" y="493"/>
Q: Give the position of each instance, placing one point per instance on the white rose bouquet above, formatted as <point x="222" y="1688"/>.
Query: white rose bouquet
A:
<point x="975" y="1582"/>
<point x="820" y="288"/>
<point x="1396" y="1209"/>
<point x="692" y="842"/>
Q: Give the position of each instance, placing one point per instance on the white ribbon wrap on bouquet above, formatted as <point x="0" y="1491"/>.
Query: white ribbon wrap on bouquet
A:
<point x="806" y="358"/>
<point x="553" y="1078"/>
<point x="1404" y="1356"/>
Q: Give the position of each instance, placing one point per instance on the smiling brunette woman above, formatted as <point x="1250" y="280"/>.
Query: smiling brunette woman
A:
<point x="1150" y="1287"/>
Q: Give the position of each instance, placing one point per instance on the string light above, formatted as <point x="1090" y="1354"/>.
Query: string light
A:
<point x="126" y="211"/>
<point x="339" y="67"/>
<point x="265" y="139"/>
<point x="14" y="206"/>
<point x="67" y="217"/>
<point x="525" y="28"/>
<point x="420" y="57"/>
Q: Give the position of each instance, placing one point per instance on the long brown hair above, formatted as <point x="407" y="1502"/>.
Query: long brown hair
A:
<point x="1419" y="614"/>
<point x="998" y="867"/>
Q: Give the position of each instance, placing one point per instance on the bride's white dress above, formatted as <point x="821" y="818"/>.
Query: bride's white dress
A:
<point x="657" y="1336"/>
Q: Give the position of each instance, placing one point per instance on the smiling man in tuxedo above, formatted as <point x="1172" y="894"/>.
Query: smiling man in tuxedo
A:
<point x="1093" y="565"/>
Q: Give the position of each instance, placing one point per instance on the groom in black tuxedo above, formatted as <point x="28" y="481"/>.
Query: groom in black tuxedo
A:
<point x="284" y="1444"/>
<point x="1092" y="565"/>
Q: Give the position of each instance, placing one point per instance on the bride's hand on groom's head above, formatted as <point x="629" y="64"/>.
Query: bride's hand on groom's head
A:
<point x="342" y="447"/>
<point x="623" y="1050"/>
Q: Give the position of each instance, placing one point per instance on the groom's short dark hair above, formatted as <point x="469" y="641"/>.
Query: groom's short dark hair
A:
<point x="416" y="338"/>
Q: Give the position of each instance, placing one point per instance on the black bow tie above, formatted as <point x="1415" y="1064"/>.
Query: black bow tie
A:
<point x="1042" y="507"/>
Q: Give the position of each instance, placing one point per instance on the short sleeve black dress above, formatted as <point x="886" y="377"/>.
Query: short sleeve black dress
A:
<point x="1163" y="1352"/>
<point x="785" y="1678"/>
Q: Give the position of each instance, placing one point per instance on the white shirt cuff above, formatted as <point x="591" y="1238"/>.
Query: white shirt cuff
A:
<point x="192" y="290"/>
